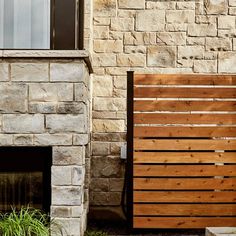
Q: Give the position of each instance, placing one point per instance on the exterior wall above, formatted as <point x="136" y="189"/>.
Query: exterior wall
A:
<point x="46" y="102"/>
<point x="152" y="37"/>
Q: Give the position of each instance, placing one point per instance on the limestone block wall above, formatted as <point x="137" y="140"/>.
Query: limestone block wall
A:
<point x="45" y="101"/>
<point x="161" y="36"/>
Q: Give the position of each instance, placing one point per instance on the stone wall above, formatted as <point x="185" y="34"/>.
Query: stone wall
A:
<point x="161" y="36"/>
<point x="45" y="101"/>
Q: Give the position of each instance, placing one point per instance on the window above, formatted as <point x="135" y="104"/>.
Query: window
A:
<point x="41" y="24"/>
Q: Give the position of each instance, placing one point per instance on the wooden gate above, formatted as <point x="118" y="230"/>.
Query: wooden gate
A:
<point x="181" y="151"/>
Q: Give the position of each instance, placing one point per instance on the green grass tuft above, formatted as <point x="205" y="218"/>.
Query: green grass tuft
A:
<point x="95" y="233"/>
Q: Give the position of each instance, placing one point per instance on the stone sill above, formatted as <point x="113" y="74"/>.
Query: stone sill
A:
<point x="221" y="231"/>
<point x="61" y="54"/>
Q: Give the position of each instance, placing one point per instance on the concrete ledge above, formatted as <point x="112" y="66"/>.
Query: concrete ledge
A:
<point x="221" y="231"/>
<point x="68" y="54"/>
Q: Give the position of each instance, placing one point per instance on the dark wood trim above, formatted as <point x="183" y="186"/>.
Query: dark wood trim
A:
<point x="80" y="20"/>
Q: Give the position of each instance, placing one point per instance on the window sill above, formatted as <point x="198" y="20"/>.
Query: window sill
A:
<point x="73" y="54"/>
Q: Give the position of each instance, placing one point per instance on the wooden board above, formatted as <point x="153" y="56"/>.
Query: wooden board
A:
<point x="184" y="157"/>
<point x="145" y="105"/>
<point x="152" y="79"/>
<point x="173" y="118"/>
<point x="184" y="184"/>
<point x="184" y="196"/>
<point x="183" y="222"/>
<point x="180" y="170"/>
<point x="185" y="209"/>
<point x="163" y="131"/>
<point x="184" y="144"/>
<point x="150" y="92"/>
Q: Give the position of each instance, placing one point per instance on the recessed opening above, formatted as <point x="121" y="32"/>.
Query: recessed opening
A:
<point x="25" y="177"/>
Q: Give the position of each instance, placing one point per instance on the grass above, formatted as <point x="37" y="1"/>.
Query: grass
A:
<point x="95" y="233"/>
<point x="27" y="222"/>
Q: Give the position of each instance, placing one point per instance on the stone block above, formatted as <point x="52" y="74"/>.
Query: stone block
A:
<point x="106" y="125"/>
<point x="206" y="19"/>
<point x="100" y="148"/>
<point x="42" y="107"/>
<point x="109" y="104"/>
<point x="104" y="46"/>
<point x="185" y="5"/>
<point x="232" y="3"/>
<point x="173" y="38"/>
<point x="71" y="108"/>
<point x="196" y="41"/>
<point x="180" y="16"/>
<point x="66" y="123"/>
<point x="31" y="72"/>
<point x="52" y="139"/>
<point x="106" y="167"/>
<point x="61" y="175"/>
<point x="135" y="49"/>
<point x="66" y="195"/>
<point x="99" y="184"/>
<point x="13" y="98"/>
<point x="23" y="139"/>
<point x="104" y="59"/>
<point x="68" y="155"/>
<point x="160" y="5"/>
<point x="80" y="139"/>
<point x="122" y="24"/>
<point x="205" y="66"/>
<point x="102" y="21"/>
<point x="120" y="82"/>
<point x="174" y="27"/>
<point x="232" y="11"/>
<point x="116" y="184"/>
<point x="78" y="175"/>
<point x="61" y="211"/>
<point x="131" y="4"/>
<point x="161" y="56"/>
<point x="226" y="22"/>
<point x="131" y="60"/>
<point x="102" y="86"/>
<point x="218" y="44"/>
<point x="104" y="8"/>
<point x="227" y="61"/>
<point x="51" y="92"/>
<point x="76" y="211"/>
<point x="150" y="20"/>
<point x="216" y="7"/>
<point x="100" y="32"/>
<point x="81" y="92"/>
<point x="202" y="30"/>
<point x="109" y="137"/>
<point x="4" y="72"/>
<point x="139" y="38"/>
<point x="23" y="123"/>
<point x="191" y="52"/>
<point x="67" y="72"/>
<point x="6" y="140"/>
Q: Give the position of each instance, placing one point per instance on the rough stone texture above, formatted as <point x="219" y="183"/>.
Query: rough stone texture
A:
<point x="46" y="102"/>
<point x="194" y="36"/>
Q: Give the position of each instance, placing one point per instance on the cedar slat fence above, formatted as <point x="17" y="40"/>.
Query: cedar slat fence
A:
<point x="181" y="151"/>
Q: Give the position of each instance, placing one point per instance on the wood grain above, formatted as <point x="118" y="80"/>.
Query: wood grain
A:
<point x="202" y="132"/>
<point x="184" y="196"/>
<point x="185" y="209"/>
<point x="183" y="222"/>
<point x="145" y="105"/>
<point x="173" y="79"/>
<point x="150" y="92"/>
<point x="184" y="144"/>
<point x="180" y="170"/>
<point x="184" y="157"/>
<point x="184" y="184"/>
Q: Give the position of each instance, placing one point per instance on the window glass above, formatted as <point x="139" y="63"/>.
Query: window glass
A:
<point x="25" y="24"/>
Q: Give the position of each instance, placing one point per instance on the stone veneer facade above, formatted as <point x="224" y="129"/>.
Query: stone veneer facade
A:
<point x="150" y="36"/>
<point x="45" y="101"/>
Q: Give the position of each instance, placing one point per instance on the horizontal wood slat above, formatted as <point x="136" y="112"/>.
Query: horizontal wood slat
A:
<point x="180" y="170"/>
<point x="148" y="92"/>
<point x="185" y="209"/>
<point x="184" y="106"/>
<point x="152" y="79"/>
<point x="184" y="144"/>
<point x="183" y="222"/>
<point x="184" y="157"/>
<point x="184" y="184"/>
<point x="184" y="196"/>
<point x="151" y="131"/>
<point x="172" y="118"/>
